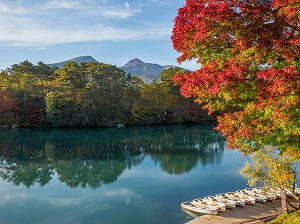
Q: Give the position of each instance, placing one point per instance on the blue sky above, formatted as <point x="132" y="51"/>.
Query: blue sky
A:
<point x="112" y="31"/>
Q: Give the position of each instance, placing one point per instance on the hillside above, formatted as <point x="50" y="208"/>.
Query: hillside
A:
<point x="147" y="71"/>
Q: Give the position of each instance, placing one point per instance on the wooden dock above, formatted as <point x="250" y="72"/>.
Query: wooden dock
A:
<point x="251" y="214"/>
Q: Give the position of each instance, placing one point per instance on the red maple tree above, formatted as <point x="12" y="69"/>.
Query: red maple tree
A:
<point x="8" y="109"/>
<point x="249" y="57"/>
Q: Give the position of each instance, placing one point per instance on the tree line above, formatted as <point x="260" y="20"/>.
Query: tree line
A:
<point x="90" y="94"/>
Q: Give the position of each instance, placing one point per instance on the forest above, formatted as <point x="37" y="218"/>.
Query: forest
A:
<point x="91" y="95"/>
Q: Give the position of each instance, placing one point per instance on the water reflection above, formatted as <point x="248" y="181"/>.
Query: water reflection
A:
<point x="96" y="157"/>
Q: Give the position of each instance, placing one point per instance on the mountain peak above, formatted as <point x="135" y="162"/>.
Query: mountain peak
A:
<point x="134" y="62"/>
<point x="147" y="71"/>
<point x="77" y="60"/>
<point x="137" y="60"/>
<point x="83" y="58"/>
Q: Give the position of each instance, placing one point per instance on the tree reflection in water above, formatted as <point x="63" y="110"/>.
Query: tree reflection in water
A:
<point x="96" y="157"/>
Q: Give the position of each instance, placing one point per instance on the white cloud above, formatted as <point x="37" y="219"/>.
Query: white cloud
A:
<point x="62" y="4"/>
<point x="27" y="34"/>
<point x="92" y="8"/>
<point x="3" y="8"/>
<point x="125" y="11"/>
<point x="158" y="2"/>
<point x="13" y="8"/>
<point x="85" y="20"/>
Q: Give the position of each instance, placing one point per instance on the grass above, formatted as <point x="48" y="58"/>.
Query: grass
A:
<point x="291" y="218"/>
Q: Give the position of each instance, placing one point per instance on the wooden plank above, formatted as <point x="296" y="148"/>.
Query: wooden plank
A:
<point x="248" y="214"/>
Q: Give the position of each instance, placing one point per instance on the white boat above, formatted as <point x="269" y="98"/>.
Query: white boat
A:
<point x="275" y="192"/>
<point x="211" y="201"/>
<point x="290" y="192"/>
<point x="249" y="199"/>
<point x="223" y="199"/>
<point x="271" y="193"/>
<point x="199" y="202"/>
<point x="235" y="196"/>
<point x="221" y="202"/>
<point x="271" y="196"/>
<point x="204" y="210"/>
<point x="232" y="198"/>
<point x="297" y="191"/>
<point x="258" y="197"/>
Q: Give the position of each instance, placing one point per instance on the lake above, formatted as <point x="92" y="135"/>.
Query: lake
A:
<point x="106" y="176"/>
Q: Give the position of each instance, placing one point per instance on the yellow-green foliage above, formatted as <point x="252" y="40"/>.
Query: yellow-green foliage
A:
<point x="270" y="168"/>
<point x="291" y="218"/>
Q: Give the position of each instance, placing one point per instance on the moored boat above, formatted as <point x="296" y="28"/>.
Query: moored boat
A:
<point x="211" y="201"/>
<point x="203" y="210"/>
<point x="275" y="192"/>
<point x="297" y="191"/>
<point x="235" y="196"/>
<point x="223" y="199"/>
<point x="258" y="197"/>
<point x="269" y="194"/>
<point x="232" y="198"/>
<point x="249" y="199"/>
<point x="199" y="202"/>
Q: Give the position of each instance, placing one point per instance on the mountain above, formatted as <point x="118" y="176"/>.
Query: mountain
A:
<point x="146" y="71"/>
<point x="77" y="59"/>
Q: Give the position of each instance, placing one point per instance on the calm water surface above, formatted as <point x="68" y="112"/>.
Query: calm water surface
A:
<point x="107" y="176"/>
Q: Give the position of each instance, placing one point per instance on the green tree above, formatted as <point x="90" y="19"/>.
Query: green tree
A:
<point x="104" y="101"/>
<point x="60" y="109"/>
<point x="46" y="76"/>
<point x="132" y="96"/>
<point x="178" y="108"/>
<point x="24" y="85"/>
<point x="63" y="101"/>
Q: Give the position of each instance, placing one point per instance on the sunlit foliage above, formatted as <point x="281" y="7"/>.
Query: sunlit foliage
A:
<point x="90" y="95"/>
<point x="249" y="68"/>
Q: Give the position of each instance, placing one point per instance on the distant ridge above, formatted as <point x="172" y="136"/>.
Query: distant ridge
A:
<point x="136" y="67"/>
<point x="147" y="71"/>
<point x="77" y="60"/>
